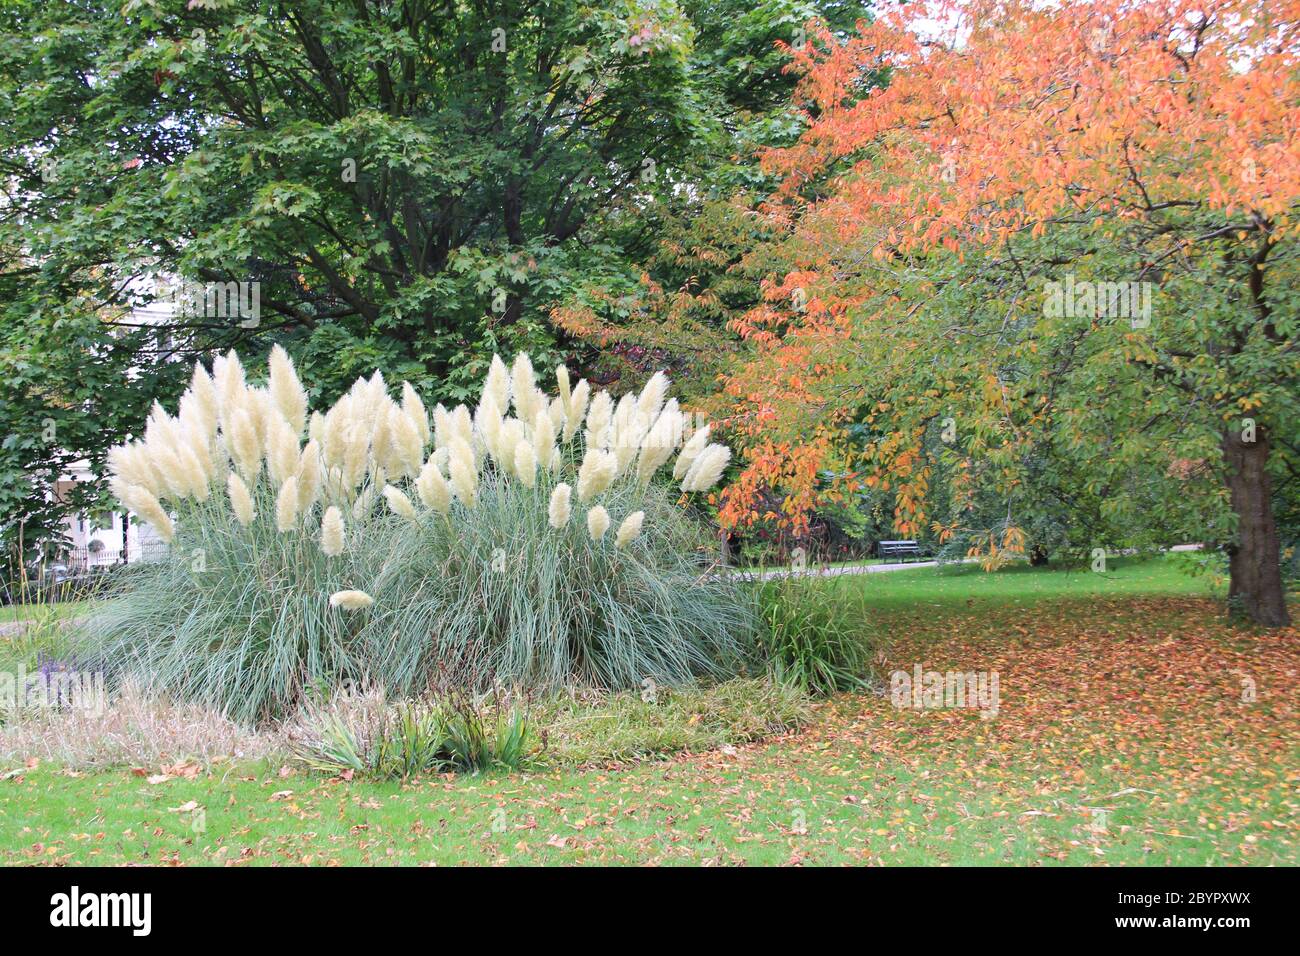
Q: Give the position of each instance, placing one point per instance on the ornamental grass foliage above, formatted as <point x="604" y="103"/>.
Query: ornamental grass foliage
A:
<point x="533" y="540"/>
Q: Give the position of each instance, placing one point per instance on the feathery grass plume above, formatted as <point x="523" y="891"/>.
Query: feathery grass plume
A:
<point x="557" y="512"/>
<point x="563" y="391"/>
<point x="462" y="424"/>
<point x="407" y="444"/>
<point x="557" y="412"/>
<point x="309" y="474"/>
<point x="599" y="416"/>
<point x="243" y="444"/>
<point x="286" y="391"/>
<point x="413" y="407"/>
<point x="381" y="441"/>
<point x="598" y="470"/>
<point x="658" y="444"/>
<point x="432" y="487"/>
<point x="597" y="522"/>
<point x="331" y="532"/>
<point x="512" y="433"/>
<point x="443" y="429"/>
<point x="228" y="377"/>
<point x="525" y="462"/>
<point x="316" y="426"/>
<point x="282" y="451"/>
<point x="241" y="502"/>
<point x="287" y="506"/>
<point x="576" y="410"/>
<point x="147" y="507"/>
<point x="487" y="425"/>
<point x="131" y="463"/>
<point x="192" y="475"/>
<point x="543" y="440"/>
<point x="629" y="529"/>
<point x="498" y="384"/>
<point x="398" y="502"/>
<point x="707" y="469"/>
<point x="690" y="451"/>
<point x="463" y="472"/>
<point x="351" y="600"/>
<point x="204" y="391"/>
<point x="652" y="396"/>
<point x="523" y="387"/>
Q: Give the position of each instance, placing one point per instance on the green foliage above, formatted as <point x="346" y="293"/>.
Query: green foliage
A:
<point x="632" y="725"/>
<point x="812" y="633"/>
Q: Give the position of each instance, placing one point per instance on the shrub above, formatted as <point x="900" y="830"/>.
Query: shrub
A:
<point x="531" y="545"/>
<point x="363" y="733"/>
<point x="812" y="634"/>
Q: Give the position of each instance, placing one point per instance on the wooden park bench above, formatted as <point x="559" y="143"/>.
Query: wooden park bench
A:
<point x="897" y="549"/>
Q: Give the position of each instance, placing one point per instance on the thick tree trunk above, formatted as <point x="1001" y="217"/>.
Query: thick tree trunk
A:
<point x="1255" y="589"/>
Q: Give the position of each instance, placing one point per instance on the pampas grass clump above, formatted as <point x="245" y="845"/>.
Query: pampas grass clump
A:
<point x="310" y="549"/>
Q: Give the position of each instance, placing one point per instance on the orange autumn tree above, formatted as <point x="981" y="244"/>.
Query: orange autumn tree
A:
<point x="1065" y="238"/>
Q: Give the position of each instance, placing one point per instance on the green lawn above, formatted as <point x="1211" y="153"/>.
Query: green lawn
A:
<point x="24" y="612"/>
<point x="1123" y="737"/>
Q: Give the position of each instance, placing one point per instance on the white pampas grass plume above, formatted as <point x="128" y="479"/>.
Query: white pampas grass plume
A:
<point x="558" y="510"/>
<point x="131" y="463"/>
<point x="658" y="444"/>
<point x="413" y="406"/>
<point x="562" y="384"/>
<point x="543" y="440"/>
<point x="576" y="410"/>
<point x="598" y="470"/>
<point x="398" y="502"/>
<point x="286" y="391"/>
<point x="707" y="469"/>
<point x="316" y="428"/>
<point x="243" y="444"/>
<point x="523" y="387"/>
<point x="351" y="600"/>
<point x="282" y="449"/>
<point x="497" y="384"/>
<point x="597" y="522"/>
<point x="228" y="378"/>
<point x="204" y="393"/>
<point x="690" y="451"/>
<point x="557" y="412"/>
<point x="652" y="396"/>
<point x="463" y="477"/>
<point x="432" y="487"/>
<point x="512" y="433"/>
<point x="241" y="502"/>
<point x="408" y="446"/>
<point x="148" y="507"/>
<point x="286" y="506"/>
<point x="192" y="474"/>
<point x="487" y="424"/>
<point x="525" y="462"/>
<point x="629" y="529"/>
<point x="331" y="532"/>
<point x="309" y="474"/>
<point x="462" y="424"/>
<point x="598" y="419"/>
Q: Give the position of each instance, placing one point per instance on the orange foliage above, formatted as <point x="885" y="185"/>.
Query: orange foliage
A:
<point x="998" y="116"/>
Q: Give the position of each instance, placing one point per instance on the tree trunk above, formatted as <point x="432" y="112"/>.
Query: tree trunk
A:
<point x="1254" y="560"/>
